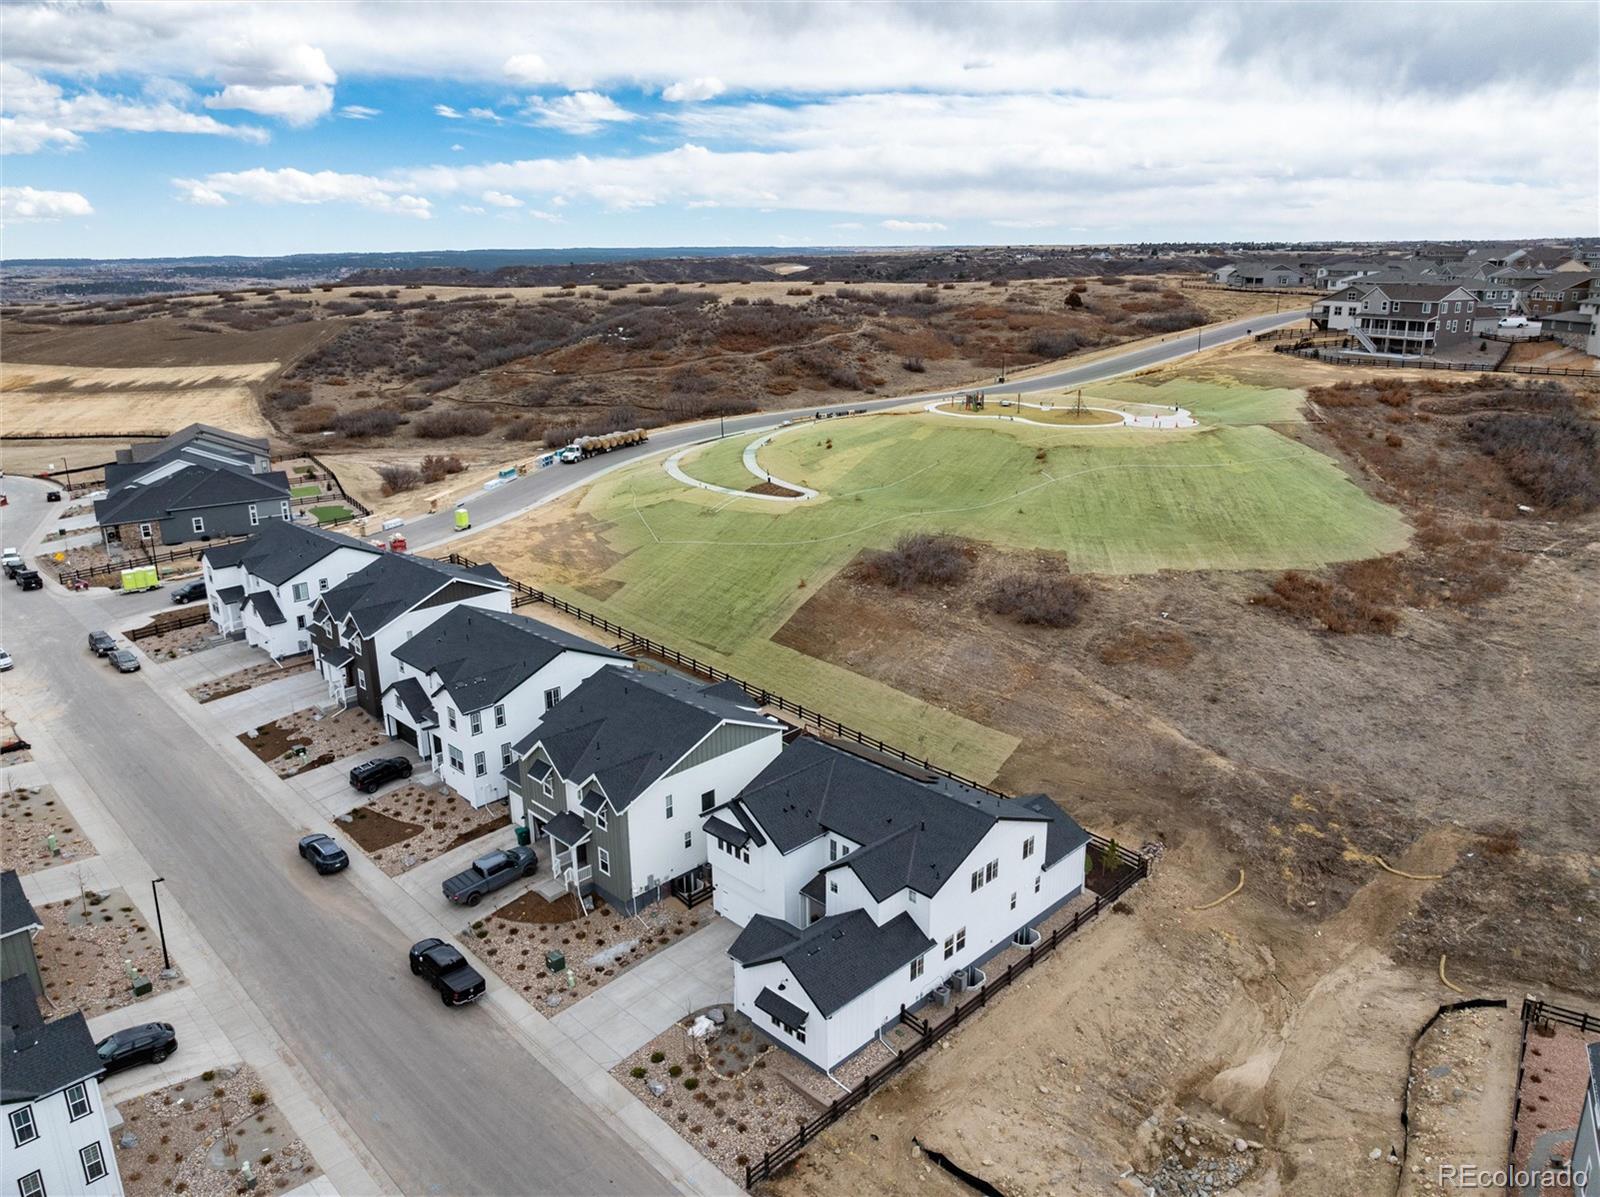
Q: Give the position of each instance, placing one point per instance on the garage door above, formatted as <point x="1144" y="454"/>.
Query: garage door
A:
<point x="405" y="732"/>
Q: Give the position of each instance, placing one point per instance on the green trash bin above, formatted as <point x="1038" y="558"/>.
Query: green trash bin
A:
<point x="523" y="837"/>
<point x="555" y="960"/>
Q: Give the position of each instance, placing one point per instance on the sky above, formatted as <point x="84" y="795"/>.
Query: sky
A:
<point x="166" y="129"/>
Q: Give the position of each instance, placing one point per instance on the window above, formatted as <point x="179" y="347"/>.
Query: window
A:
<point x="669" y="806"/>
<point x="1036" y="885"/>
<point x="1427" y="309"/>
<point x="479" y="766"/>
<point x="322" y="584"/>
<point x="707" y="801"/>
<point x="833" y="887"/>
<point x="283" y="509"/>
<point x="505" y="753"/>
<point x="600" y="819"/>
<point x="31" y="1185"/>
<point x="833" y="849"/>
<point x="144" y="531"/>
<point x="688" y="839"/>
<point x="23" y="1129"/>
<point x="500" y="714"/>
<point x="605" y="862"/>
<point x="1013" y="899"/>
<point x="197" y="524"/>
<point x="255" y="516"/>
<point x="949" y="946"/>
<point x="450" y="714"/>
<point x="94" y="1163"/>
<point x="77" y="1102"/>
<point x="551" y="697"/>
<point x="799" y="1033"/>
<point x="361" y="678"/>
<point x="301" y="592"/>
<point x="916" y="967"/>
<point x="476" y="720"/>
<point x="300" y="622"/>
<point x="455" y="759"/>
<point x="1027" y="848"/>
<point x="977" y="880"/>
<point x="991" y="870"/>
<point x="961" y="939"/>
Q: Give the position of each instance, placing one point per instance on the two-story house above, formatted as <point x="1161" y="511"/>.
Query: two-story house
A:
<point x="1340" y="310"/>
<point x="620" y="773"/>
<point x="474" y="682"/>
<point x="357" y="625"/>
<point x="57" y="1140"/>
<point x="265" y="587"/>
<point x="1562" y="291"/>
<point x="1415" y="318"/>
<point x="862" y="889"/>
<point x="1267" y="274"/>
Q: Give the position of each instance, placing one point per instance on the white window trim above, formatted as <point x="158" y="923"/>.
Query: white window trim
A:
<point x="99" y="1159"/>
<point x="480" y="765"/>
<point x="669" y="806"/>
<point x="603" y="862"/>
<point x="82" y="1092"/>
<point x="255" y="516"/>
<point x="475" y="722"/>
<point x="37" y="1187"/>
<point x="457" y="762"/>
<point x="26" y="1114"/>
<point x="500" y="714"/>
<point x="600" y="819"/>
<point x="197" y="524"/>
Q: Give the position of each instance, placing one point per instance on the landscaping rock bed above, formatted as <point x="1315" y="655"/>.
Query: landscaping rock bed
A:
<point x="247" y="678"/>
<point x="193" y="1138"/>
<point x="514" y="939"/>
<point x="1555" y="1068"/>
<point x="323" y="739"/>
<point x="82" y="951"/>
<point x="412" y="824"/>
<point x="169" y="646"/>
<point x="29" y="815"/>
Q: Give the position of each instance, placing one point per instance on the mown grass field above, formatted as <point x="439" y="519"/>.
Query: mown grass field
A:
<point x="717" y="576"/>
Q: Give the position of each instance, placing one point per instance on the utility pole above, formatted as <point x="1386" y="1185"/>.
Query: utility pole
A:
<point x="166" y="961"/>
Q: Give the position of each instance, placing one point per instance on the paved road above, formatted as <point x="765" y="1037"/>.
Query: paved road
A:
<point x="448" y="1101"/>
<point x="540" y="486"/>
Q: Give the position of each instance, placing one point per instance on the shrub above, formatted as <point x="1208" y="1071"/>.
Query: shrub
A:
<point x="399" y="478"/>
<point x="440" y="424"/>
<point x="369" y="421"/>
<point x="1046" y="343"/>
<point x="918" y="558"/>
<point x="1075" y="298"/>
<point x="691" y="1083"/>
<point x="1165" y="322"/>
<point x="1554" y="459"/>
<point x="675" y="1071"/>
<point x="1337" y="608"/>
<point x="638" y="1072"/>
<point x="1143" y="288"/>
<point x="657" y="1056"/>
<point x="524" y="428"/>
<point x="914" y="365"/>
<point x="437" y="467"/>
<point x="258" y="1098"/>
<point x="1052" y="600"/>
<point x="290" y="395"/>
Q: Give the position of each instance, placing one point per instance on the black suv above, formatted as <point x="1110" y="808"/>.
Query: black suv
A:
<point x="29" y="579"/>
<point x="324" y="853"/>
<point x="369" y="775"/>
<point x="148" y="1044"/>
<point x="101" y="643"/>
<point x="189" y="591"/>
<point x="447" y="971"/>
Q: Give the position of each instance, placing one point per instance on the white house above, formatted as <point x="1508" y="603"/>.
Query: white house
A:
<point x="862" y="889"/>
<point x="474" y="682"/>
<point x="357" y="625"/>
<point x="57" y="1138"/>
<point x="266" y="586"/>
<point x="620" y="773"/>
<point x="1341" y="309"/>
<point x="1586" y="1142"/>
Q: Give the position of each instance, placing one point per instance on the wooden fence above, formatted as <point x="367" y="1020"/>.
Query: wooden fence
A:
<point x="1384" y="363"/>
<point x="929" y="1033"/>
<point x="159" y="626"/>
<point x="88" y="573"/>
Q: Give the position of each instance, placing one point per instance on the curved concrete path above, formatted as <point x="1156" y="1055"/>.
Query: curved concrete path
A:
<point x="1178" y="417"/>
<point x="802" y="493"/>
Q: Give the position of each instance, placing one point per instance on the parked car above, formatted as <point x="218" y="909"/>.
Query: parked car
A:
<point x="1514" y="322"/>
<point x="28" y="579"/>
<point x="5" y="660"/>
<point x="324" y="853"/>
<point x="11" y="559"/>
<point x="101" y="643"/>
<point x="447" y="971"/>
<point x="489" y="873"/>
<point x="124" y="659"/>
<point x="189" y="591"/>
<point x="369" y="775"/>
<point x="149" y="1043"/>
<point x="53" y="497"/>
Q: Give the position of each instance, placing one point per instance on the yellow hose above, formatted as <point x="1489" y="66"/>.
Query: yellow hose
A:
<point x="1224" y="897"/>
<point x="1448" y="982"/>
<point x="1409" y="876"/>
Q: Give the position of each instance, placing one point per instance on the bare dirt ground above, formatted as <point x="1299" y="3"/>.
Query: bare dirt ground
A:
<point x="45" y="400"/>
<point x="29" y="816"/>
<point x="247" y="678"/>
<point x="306" y="740"/>
<point x="1462" y="1076"/>
<point x="409" y="824"/>
<point x="82" y="951"/>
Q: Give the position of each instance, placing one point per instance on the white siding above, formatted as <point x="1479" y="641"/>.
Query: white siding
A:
<point x="54" y="1154"/>
<point x="1586" y="1149"/>
<point x="769" y="884"/>
<point x="400" y="629"/>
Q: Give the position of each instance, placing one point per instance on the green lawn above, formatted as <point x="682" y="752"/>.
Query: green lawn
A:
<point x="720" y="463"/>
<point x="1212" y="402"/>
<point x="306" y="490"/>
<point x="330" y="512"/>
<point x="717" y="577"/>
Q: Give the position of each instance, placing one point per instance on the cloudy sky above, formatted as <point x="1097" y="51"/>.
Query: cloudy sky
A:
<point x="155" y="128"/>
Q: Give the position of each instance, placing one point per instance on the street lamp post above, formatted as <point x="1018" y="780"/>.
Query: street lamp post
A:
<point x="166" y="961"/>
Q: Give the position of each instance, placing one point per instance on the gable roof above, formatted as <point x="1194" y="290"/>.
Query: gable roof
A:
<point x="229" y="442"/>
<point x="161" y="491"/>
<point x="16" y="912"/>
<point x="626" y="728"/>
<point x="912" y="833"/>
<point x="411" y="695"/>
<point x="837" y="958"/>
<point x="481" y="656"/>
<point x="395" y="583"/>
<point x="39" y="1058"/>
<point x="1418" y="292"/>
<point x="266" y="608"/>
<point x="282" y="549"/>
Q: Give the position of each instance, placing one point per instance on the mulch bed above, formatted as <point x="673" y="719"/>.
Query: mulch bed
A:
<point x="374" y="831"/>
<point x="411" y="823"/>
<point x="304" y="740"/>
<point x="81" y="955"/>
<point x="247" y="678"/>
<point x="29" y="815"/>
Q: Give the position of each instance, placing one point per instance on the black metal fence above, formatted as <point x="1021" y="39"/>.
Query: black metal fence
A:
<point x="929" y="1033"/>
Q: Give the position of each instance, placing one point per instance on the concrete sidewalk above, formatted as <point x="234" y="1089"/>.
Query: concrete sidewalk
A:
<point x="264" y="702"/>
<point x="202" y="1044"/>
<point x="328" y="790"/>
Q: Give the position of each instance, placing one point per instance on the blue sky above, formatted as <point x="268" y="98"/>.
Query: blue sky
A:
<point x="195" y="128"/>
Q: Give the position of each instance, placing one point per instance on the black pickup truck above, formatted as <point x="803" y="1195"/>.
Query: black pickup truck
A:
<point x="447" y="971"/>
<point x="489" y="873"/>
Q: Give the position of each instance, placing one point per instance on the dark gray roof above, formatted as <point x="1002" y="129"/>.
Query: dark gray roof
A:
<point x="16" y="912"/>
<point x="394" y="584"/>
<point x="836" y="959"/>
<point x="415" y="700"/>
<point x="912" y="833"/>
<point x="1064" y="836"/>
<point x="781" y="1008"/>
<point x="481" y="656"/>
<point x="192" y="488"/>
<point x="19" y="1006"/>
<point x="231" y="596"/>
<point x="337" y="655"/>
<point x="221" y="438"/>
<point x="727" y="832"/>
<point x="568" y="828"/>
<point x="40" y="1058"/>
<point x="817" y="888"/>
<point x="281" y="550"/>
<point x="266" y="607"/>
<point x="627" y="727"/>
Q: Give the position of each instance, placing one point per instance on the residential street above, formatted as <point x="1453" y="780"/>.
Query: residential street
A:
<point x="446" y="1101"/>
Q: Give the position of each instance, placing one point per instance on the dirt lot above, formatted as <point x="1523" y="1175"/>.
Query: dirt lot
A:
<point x="29" y="815"/>
<point x="47" y="400"/>
<point x="194" y="1136"/>
<point x="306" y="740"/>
<point x="1463" y="1073"/>
<point x="82" y="950"/>
<point x="408" y="825"/>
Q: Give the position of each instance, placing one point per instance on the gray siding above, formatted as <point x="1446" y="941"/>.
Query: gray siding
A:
<point x="722" y="741"/>
<point x="614" y="839"/>
<point x="231" y="519"/>
<point x="17" y="959"/>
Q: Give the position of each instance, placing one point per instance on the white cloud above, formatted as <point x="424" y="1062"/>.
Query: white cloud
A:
<point x="1041" y="223"/>
<point x="486" y="114"/>
<point x="578" y="113"/>
<point x="291" y="81"/>
<point x="359" y="112"/>
<point x="474" y="210"/>
<point x="913" y="226"/>
<point x="691" y="91"/>
<point x="541" y="214"/>
<point x="457" y="148"/>
<point x="193" y="191"/>
<point x="528" y="68"/>
<point x="291" y="186"/>
<point x="18" y="204"/>
<point x="292" y="103"/>
<point x="449" y="113"/>
<point x="848" y="224"/>
<point x="501" y="200"/>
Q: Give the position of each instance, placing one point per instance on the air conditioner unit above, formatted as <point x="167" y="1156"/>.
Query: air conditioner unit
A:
<point x="941" y="994"/>
<point x="958" y="981"/>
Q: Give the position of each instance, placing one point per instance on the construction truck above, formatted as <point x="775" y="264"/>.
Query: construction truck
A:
<point x="590" y="446"/>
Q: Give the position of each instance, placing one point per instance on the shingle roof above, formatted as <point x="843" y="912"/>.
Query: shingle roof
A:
<point x="231" y="596"/>
<point x="567" y="828"/>
<point x="727" y="832"/>
<point x="190" y="488"/>
<point x="781" y="1008"/>
<point x="1415" y="292"/>
<point x="40" y="1058"/>
<point x="16" y="912"/>
<point x="836" y="959"/>
<point x="626" y="728"/>
<point x="913" y="833"/>
<point x="281" y="550"/>
<point x="230" y="441"/>
<point x="415" y="700"/>
<point x="1065" y="834"/>
<point x="266" y="608"/>
<point x="395" y="583"/>
<point x="481" y="656"/>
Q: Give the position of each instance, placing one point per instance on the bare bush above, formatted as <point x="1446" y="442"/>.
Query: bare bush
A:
<point x="1554" y="459"/>
<point x="918" y="558"/>
<point x="1165" y="322"/>
<point x="1053" y="343"/>
<point x="436" y="467"/>
<point x="369" y="421"/>
<point x="1143" y="288"/>
<point x="439" y="424"/>
<point x="524" y="428"/>
<point x="1336" y="607"/>
<point x="914" y="365"/>
<point x="399" y="478"/>
<point x="1049" y="599"/>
